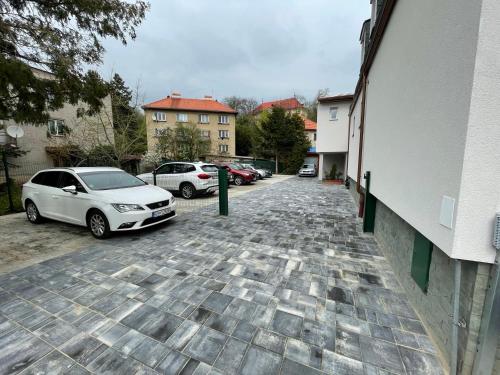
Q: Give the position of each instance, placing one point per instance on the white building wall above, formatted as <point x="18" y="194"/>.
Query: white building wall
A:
<point x="417" y="110"/>
<point x="479" y="197"/>
<point x="332" y="135"/>
<point x="352" y="162"/>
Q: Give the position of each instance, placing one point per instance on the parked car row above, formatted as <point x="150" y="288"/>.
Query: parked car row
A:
<point x="109" y="199"/>
<point x="198" y="178"/>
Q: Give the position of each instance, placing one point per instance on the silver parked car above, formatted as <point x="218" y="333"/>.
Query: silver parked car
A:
<point x="308" y="170"/>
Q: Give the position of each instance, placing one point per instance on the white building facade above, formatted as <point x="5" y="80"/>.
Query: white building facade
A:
<point x="424" y="121"/>
<point x="332" y="135"/>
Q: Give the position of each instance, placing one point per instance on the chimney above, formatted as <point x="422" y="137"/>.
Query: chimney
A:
<point x="208" y="97"/>
<point x="176" y="95"/>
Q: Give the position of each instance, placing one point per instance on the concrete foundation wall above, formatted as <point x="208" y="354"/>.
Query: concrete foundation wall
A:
<point x="395" y="238"/>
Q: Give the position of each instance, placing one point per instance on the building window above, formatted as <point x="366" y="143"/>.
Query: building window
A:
<point x="159" y="132"/>
<point x="223" y="148"/>
<point x="223" y="119"/>
<point x="223" y="134"/>
<point x="314" y="136"/>
<point x="204" y="119"/>
<point x="205" y="133"/>
<point x="160" y="116"/>
<point x="182" y="117"/>
<point x="333" y="113"/>
<point x="57" y="127"/>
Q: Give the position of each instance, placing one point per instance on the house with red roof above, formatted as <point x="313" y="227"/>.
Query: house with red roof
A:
<point x="293" y="105"/>
<point x="216" y="120"/>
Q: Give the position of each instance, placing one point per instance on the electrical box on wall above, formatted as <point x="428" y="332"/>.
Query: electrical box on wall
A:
<point x="447" y="212"/>
<point x="496" y="232"/>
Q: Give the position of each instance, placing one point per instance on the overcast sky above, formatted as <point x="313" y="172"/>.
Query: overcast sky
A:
<point x="265" y="49"/>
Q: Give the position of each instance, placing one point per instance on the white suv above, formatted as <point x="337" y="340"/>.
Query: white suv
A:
<point x="103" y="199"/>
<point x="190" y="179"/>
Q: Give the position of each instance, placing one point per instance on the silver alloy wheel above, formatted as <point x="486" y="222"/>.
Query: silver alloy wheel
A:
<point x="97" y="225"/>
<point x="238" y="181"/>
<point x="32" y="212"/>
<point x="187" y="191"/>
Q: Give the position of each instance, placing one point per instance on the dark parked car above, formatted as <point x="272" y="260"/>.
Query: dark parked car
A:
<point x="241" y="176"/>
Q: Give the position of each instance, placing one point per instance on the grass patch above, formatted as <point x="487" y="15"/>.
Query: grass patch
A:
<point x="4" y="198"/>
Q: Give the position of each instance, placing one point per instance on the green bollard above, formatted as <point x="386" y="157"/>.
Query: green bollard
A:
<point x="223" y="194"/>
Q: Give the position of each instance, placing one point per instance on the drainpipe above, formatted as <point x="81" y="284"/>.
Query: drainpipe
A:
<point x="360" y="151"/>
<point x="456" y="319"/>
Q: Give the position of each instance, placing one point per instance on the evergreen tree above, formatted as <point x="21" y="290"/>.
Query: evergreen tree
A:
<point x="282" y="136"/>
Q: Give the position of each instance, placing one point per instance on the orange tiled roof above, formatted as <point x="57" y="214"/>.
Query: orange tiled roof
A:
<point x="291" y="103"/>
<point x="201" y="105"/>
<point x="309" y="124"/>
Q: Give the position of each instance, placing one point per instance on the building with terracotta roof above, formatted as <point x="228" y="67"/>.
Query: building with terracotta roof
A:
<point x="216" y="120"/>
<point x="289" y="105"/>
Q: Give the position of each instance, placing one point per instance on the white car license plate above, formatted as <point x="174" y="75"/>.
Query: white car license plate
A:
<point x="161" y="212"/>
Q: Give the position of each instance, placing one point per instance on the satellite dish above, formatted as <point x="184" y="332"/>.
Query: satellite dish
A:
<point x="15" y="131"/>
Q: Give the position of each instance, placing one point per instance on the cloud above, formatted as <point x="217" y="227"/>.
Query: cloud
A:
<point x="258" y="48"/>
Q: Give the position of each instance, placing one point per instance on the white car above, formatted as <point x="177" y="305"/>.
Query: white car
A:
<point x="308" y="170"/>
<point x="102" y="199"/>
<point x="190" y="179"/>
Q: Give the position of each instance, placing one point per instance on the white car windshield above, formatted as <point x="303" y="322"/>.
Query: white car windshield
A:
<point x="308" y="166"/>
<point x="107" y="180"/>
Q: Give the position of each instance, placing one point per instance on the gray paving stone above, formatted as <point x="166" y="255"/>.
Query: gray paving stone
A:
<point x="83" y="349"/>
<point x="182" y="335"/>
<point x="206" y="345"/>
<point x="270" y="341"/>
<point x="380" y="353"/>
<point x="319" y="334"/>
<point x="244" y="331"/>
<point x="420" y="363"/>
<point x="173" y="363"/>
<point x="217" y="302"/>
<point x="287" y="324"/>
<point x="381" y="332"/>
<point x="53" y="363"/>
<point x="153" y="322"/>
<point x="230" y="358"/>
<point x="294" y="368"/>
<point x="298" y="351"/>
<point x="57" y="332"/>
<point x="260" y="361"/>
<point x="337" y="364"/>
<point x="222" y="323"/>
<point x="20" y="349"/>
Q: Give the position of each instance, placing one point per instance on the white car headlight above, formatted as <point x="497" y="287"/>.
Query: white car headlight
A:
<point x="172" y="200"/>
<point x="122" y="207"/>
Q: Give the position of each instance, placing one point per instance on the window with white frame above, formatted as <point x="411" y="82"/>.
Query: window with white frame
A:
<point x="223" y="134"/>
<point x="333" y="113"/>
<point x="182" y="117"/>
<point x="159" y="132"/>
<point x="223" y="148"/>
<point x="160" y="116"/>
<point x="205" y="133"/>
<point x="223" y="119"/>
<point x="204" y="119"/>
<point x="57" y="127"/>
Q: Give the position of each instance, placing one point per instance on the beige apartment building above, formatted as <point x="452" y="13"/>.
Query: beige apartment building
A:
<point x="216" y="121"/>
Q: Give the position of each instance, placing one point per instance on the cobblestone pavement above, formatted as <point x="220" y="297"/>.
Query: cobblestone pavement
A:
<point x="286" y="284"/>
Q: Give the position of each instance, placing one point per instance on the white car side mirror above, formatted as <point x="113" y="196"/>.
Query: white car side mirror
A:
<point x="70" y="189"/>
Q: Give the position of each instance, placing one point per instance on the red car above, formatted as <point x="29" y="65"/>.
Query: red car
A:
<point x="241" y="176"/>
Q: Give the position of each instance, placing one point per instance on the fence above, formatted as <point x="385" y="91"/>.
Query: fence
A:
<point x="21" y="170"/>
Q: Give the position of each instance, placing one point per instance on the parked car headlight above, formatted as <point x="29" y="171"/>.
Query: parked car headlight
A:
<point x="172" y="200"/>
<point x="122" y="207"/>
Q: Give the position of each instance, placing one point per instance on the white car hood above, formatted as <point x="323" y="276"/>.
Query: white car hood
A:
<point x="138" y="195"/>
